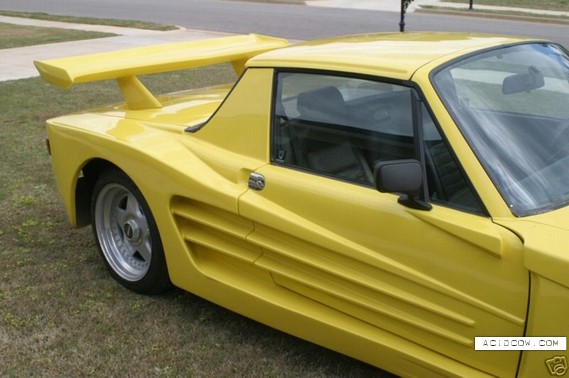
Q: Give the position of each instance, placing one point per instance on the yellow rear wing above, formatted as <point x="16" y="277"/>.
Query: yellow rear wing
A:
<point x="125" y="65"/>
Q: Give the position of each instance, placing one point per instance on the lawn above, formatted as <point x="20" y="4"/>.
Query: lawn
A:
<point x="12" y="36"/>
<point x="560" y="5"/>
<point x="20" y="36"/>
<point x="60" y="312"/>
<point x="89" y="20"/>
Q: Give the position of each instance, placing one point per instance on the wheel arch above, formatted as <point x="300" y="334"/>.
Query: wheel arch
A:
<point x="84" y="188"/>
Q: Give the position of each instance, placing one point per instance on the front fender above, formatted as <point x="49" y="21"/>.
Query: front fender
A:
<point x="547" y="316"/>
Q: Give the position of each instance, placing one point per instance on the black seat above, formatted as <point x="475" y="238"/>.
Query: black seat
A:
<point x="446" y="180"/>
<point x="315" y="143"/>
<point x="325" y="105"/>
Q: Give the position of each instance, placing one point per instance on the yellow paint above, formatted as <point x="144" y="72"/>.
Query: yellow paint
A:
<point x="124" y="65"/>
<point x="338" y="264"/>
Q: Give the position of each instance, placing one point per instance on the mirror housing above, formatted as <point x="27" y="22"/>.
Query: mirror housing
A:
<point x="404" y="177"/>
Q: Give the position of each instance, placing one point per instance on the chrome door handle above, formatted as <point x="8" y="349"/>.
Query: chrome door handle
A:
<point x="256" y="181"/>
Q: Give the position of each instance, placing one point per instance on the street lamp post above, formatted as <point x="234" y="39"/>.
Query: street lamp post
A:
<point x="404" y="6"/>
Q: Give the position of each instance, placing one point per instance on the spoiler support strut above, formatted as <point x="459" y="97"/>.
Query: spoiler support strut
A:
<point x="125" y="66"/>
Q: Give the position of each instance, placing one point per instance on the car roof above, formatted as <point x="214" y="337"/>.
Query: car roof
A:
<point x="396" y="55"/>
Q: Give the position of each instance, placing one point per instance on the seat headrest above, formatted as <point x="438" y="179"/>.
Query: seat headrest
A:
<point x="322" y="105"/>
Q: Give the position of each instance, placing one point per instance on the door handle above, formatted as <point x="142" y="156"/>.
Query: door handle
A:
<point x="256" y="181"/>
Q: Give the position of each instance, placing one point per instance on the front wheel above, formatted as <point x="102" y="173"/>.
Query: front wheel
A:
<point x="127" y="235"/>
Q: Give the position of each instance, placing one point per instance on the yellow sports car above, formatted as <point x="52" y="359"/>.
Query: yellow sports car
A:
<point x="400" y="198"/>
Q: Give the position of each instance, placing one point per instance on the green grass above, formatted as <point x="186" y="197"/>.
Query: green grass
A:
<point x="19" y="36"/>
<point x="90" y="20"/>
<point x="60" y="312"/>
<point x="560" y="5"/>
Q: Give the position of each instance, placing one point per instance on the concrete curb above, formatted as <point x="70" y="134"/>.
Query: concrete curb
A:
<point x="17" y="63"/>
<point x="502" y="15"/>
<point x="498" y="9"/>
<point x="419" y="5"/>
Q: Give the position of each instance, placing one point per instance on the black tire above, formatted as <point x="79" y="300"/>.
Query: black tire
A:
<point x="126" y="234"/>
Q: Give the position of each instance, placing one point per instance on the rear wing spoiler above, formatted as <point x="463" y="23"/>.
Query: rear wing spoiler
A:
<point x="125" y="65"/>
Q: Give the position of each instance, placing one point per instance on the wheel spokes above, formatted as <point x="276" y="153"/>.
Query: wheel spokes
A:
<point x="124" y="235"/>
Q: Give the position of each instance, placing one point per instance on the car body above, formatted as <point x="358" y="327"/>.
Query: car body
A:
<point x="388" y="196"/>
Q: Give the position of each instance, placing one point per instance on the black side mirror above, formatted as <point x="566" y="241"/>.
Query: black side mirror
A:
<point x="404" y="177"/>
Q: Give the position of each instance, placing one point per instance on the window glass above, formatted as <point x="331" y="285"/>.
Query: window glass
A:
<point x="511" y="105"/>
<point x="342" y="127"/>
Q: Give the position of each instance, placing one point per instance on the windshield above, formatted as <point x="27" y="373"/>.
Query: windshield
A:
<point x="512" y="105"/>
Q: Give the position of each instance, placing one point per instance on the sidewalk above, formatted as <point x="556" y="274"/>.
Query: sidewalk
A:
<point x="379" y="5"/>
<point x="464" y="6"/>
<point x="17" y="63"/>
<point x="395" y="6"/>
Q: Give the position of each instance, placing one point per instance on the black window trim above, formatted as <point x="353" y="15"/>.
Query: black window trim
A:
<point x="418" y="100"/>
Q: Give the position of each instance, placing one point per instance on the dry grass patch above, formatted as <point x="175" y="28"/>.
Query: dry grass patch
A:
<point x="60" y="312"/>
<point x="560" y="5"/>
<point x="19" y="36"/>
<point x="89" y="20"/>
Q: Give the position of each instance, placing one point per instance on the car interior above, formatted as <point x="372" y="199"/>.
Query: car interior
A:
<point x="320" y="132"/>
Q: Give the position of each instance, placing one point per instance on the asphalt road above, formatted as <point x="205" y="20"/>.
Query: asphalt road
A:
<point x="289" y="21"/>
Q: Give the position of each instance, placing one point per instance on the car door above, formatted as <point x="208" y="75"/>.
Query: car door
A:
<point x="437" y="277"/>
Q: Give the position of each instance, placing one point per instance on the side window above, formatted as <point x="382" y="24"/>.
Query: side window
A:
<point x="447" y="184"/>
<point x="341" y="127"/>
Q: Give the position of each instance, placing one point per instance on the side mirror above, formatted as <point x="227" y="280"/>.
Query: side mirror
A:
<point x="404" y="177"/>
